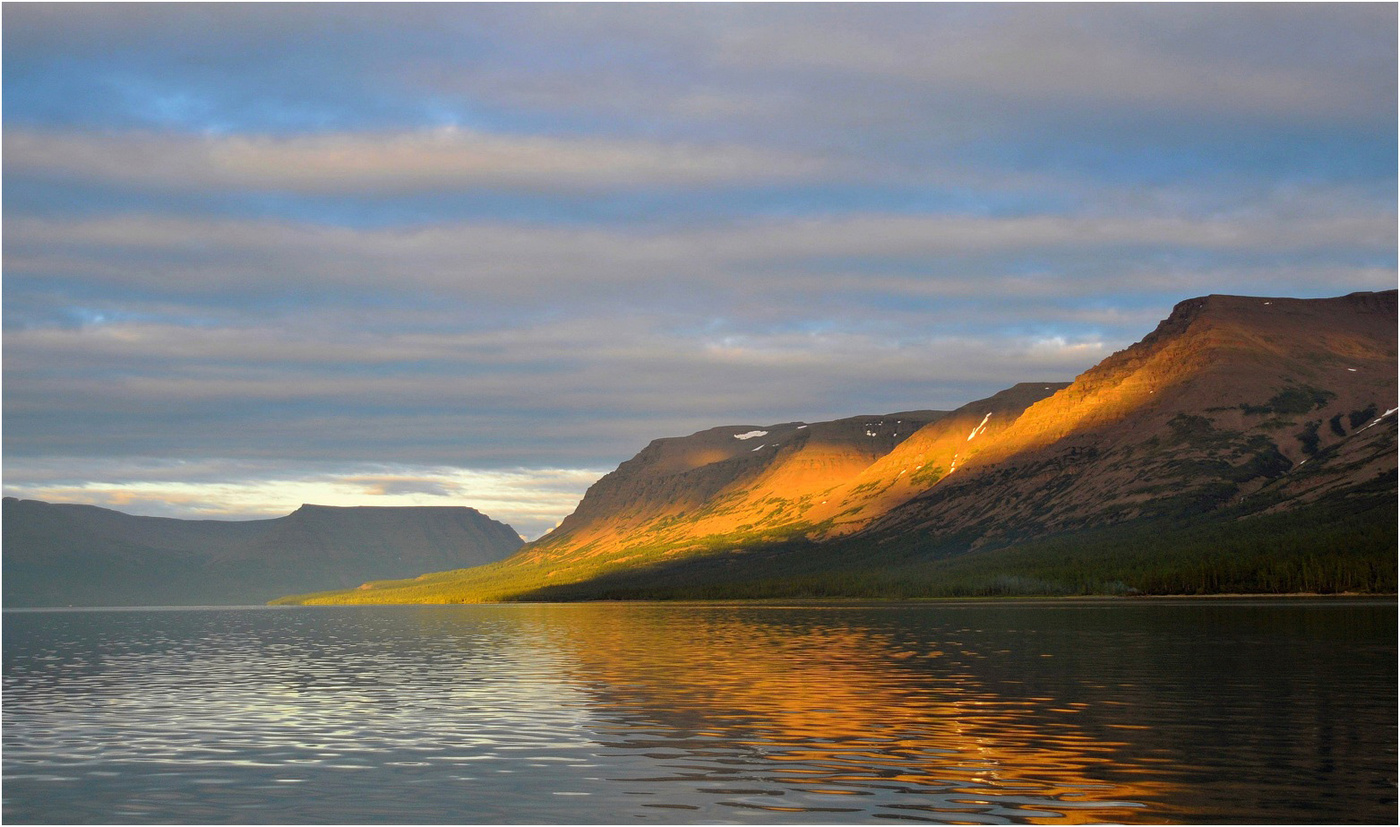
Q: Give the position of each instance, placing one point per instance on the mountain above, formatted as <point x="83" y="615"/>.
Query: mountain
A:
<point x="82" y="555"/>
<point x="729" y="482"/>
<point x="1245" y="443"/>
<point x="1226" y="401"/>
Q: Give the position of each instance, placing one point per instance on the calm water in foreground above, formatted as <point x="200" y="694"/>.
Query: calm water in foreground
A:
<point x="1123" y="711"/>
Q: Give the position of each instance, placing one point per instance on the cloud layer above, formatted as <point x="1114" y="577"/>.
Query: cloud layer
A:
<point x="260" y="254"/>
<point x="446" y="158"/>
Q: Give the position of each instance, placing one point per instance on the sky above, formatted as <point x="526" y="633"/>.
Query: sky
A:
<point x="479" y="254"/>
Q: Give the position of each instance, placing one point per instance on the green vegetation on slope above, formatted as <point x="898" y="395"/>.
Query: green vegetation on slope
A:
<point x="518" y="577"/>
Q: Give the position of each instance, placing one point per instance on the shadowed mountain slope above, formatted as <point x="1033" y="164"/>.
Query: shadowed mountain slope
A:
<point x="1233" y="409"/>
<point x="82" y="555"/>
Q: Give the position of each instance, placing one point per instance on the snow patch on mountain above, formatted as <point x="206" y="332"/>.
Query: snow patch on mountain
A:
<point x="980" y="426"/>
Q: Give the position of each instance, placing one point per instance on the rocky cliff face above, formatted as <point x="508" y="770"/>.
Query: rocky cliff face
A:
<point x="65" y="554"/>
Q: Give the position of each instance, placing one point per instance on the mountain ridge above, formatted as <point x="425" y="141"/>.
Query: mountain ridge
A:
<point x="1218" y="382"/>
<point x="712" y="475"/>
<point x="1231" y="408"/>
<point x="77" y="554"/>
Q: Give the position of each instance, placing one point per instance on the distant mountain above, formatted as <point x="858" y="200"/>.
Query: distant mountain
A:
<point x="1246" y="443"/>
<point x="82" y="555"/>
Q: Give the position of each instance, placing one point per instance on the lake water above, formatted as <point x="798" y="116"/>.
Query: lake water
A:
<point x="1052" y="712"/>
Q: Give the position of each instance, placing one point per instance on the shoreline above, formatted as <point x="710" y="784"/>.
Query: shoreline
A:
<point x="760" y="602"/>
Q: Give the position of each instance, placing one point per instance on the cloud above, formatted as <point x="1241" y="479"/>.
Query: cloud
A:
<point x="402" y="241"/>
<point x="1118" y="91"/>
<point x="703" y="93"/>
<point x="506" y="343"/>
<point x="590" y="390"/>
<point x="499" y="260"/>
<point x="443" y="159"/>
<point x="1208" y="59"/>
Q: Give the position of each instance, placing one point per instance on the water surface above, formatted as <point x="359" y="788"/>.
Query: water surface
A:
<point x="1053" y="712"/>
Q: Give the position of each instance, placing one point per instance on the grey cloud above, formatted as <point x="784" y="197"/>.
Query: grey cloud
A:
<point x="908" y="83"/>
<point x="501" y="260"/>
<point x="560" y="390"/>
<point x="892" y="84"/>
<point x="1065" y="55"/>
<point x="946" y="225"/>
<point x="442" y="159"/>
<point x="402" y="485"/>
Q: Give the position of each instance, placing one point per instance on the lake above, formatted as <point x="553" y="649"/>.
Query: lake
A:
<point x="1218" y="710"/>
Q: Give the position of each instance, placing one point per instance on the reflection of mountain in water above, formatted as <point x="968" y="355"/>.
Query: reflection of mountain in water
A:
<point x="848" y="711"/>
<point x="1042" y="714"/>
<point x="605" y="713"/>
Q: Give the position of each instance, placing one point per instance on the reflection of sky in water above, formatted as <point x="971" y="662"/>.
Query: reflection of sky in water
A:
<point x="606" y="713"/>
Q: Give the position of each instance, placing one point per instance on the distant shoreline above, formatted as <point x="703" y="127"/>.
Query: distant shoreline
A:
<point x="1257" y="594"/>
<point x="797" y="601"/>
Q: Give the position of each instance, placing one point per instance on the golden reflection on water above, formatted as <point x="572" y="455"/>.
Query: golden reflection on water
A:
<point x="841" y="710"/>
<point x="1060" y="712"/>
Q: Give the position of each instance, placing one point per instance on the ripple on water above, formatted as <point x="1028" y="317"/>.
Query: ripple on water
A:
<point x="589" y="714"/>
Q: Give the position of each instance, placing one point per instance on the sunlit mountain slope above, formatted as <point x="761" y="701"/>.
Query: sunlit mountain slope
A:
<point x="728" y="481"/>
<point x="1225" y="403"/>
<point x="1232" y="408"/>
<point x="922" y="461"/>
